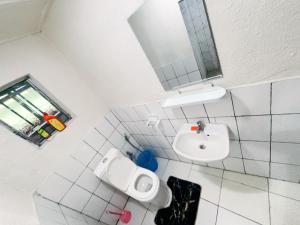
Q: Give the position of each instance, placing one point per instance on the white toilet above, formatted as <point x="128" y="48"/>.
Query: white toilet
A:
<point x="137" y="182"/>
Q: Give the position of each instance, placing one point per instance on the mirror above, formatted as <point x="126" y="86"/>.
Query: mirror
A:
<point x="178" y="41"/>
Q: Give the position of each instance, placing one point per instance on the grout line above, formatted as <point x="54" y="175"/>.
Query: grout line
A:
<point x="220" y="192"/>
<point x="269" y="201"/>
<point x="271" y="127"/>
<point x="206" y="113"/>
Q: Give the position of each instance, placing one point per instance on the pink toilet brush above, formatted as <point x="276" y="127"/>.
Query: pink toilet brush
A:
<point x="124" y="215"/>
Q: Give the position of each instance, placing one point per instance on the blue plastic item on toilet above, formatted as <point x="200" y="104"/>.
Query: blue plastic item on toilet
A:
<point x="147" y="160"/>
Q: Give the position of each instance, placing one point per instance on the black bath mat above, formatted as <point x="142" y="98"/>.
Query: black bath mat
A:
<point x="184" y="205"/>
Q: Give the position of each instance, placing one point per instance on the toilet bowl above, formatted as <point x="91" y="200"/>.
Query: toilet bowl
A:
<point x="137" y="182"/>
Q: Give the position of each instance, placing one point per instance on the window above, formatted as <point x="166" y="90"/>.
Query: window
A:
<point x="22" y="105"/>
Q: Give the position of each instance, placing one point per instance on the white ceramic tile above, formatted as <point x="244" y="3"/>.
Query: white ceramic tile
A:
<point x="256" y="150"/>
<point x="216" y="164"/>
<point x="122" y="130"/>
<point x="254" y="128"/>
<point x="156" y="110"/>
<point x="162" y="166"/>
<point x="167" y="128"/>
<point x="88" y="180"/>
<point x="210" y="185"/>
<point x="40" y="201"/>
<point x="177" y="169"/>
<point x="179" y="68"/>
<point x="284" y="211"/>
<point x="174" y="113"/>
<point x="95" y="161"/>
<point x="190" y="64"/>
<point x="235" y="149"/>
<point x="105" y="191"/>
<point x="91" y="221"/>
<point x="234" y="164"/>
<point x="108" y="218"/>
<point x="258" y="168"/>
<point x="71" y="220"/>
<point x="76" y="198"/>
<point x="84" y="153"/>
<point x="149" y="218"/>
<point x="121" y="114"/>
<point x="207" y="170"/>
<point x="50" y="215"/>
<point x="119" y="199"/>
<point x="194" y="111"/>
<point x="138" y="212"/>
<point x="246" y="201"/>
<point x="71" y="213"/>
<point x="252" y="100"/>
<point x="94" y="139"/>
<point x="183" y="79"/>
<point x="283" y="96"/>
<point x="284" y="188"/>
<point x="194" y="76"/>
<point x="286" y="153"/>
<point x="105" y="148"/>
<point x="142" y="111"/>
<point x="253" y="181"/>
<point x="70" y="169"/>
<point x="112" y="119"/>
<point x="131" y="112"/>
<point x="117" y="139"/>
<point x="168" y="72"/>
<point x="54" y="187"/>
<point x="95" y="207"/>
<point x="221" y="108"/>
<point x="286" y="128"/>
<point x="195" y="120"/>
<point x="231" y="124"/>
<point x="207" y="213"/>
<point x="105" y="128"/>
<point x="177" y="124"/>
<point x="285" y="172"/>
<point x="173" y="82"/>
<point x="226" y="217"/>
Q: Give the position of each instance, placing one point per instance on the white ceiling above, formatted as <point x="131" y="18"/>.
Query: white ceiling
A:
<point x="21" y="17"/>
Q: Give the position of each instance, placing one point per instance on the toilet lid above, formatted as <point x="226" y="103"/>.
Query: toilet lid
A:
<point x="120" y="172"/>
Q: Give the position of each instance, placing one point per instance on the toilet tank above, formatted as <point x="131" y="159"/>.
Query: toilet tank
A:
<point x="101" y="170"/>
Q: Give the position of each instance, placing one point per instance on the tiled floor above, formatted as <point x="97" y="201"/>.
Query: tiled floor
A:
<point x="230" y="198"/>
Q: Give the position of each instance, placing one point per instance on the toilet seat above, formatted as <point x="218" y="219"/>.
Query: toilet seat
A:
<point x="143" y="177"/>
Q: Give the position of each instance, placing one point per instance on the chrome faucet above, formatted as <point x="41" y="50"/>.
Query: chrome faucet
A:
<point x="201" y="126"/>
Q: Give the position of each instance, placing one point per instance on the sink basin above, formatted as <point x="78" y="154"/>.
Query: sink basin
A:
<point x="211" y="144"/>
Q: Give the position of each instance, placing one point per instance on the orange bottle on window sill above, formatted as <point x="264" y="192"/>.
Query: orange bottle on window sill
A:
<point x="54" y="122"/>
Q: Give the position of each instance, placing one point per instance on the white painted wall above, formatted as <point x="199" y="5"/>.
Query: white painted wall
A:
<point x="257" y="41"/>
<point x="22" y="165"/>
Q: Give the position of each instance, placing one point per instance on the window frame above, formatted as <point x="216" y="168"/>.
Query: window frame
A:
<point x="45" y="94"/>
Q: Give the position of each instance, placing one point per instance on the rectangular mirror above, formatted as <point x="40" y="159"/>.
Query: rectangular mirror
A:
<point x="178" y="41"/>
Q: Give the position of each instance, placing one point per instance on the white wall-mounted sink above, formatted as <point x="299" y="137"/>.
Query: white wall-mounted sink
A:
<point x="211" y="144"/>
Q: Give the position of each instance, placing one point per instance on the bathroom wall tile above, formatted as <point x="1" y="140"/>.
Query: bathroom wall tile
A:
<point x="211" y="185"/>
<point x="105" y="191"/>
<point x="105" y="148"/>
<point x="122" y="130"/>
<point x="105" y="128"/>
<point x="286" y="128"/>
<point x="112" y="119"/>
<point x="256" y="128"/>
<point x="194" y="76"/>
<point x="166" y="128"/>
<point x="177" y="124"/>
<point x="226" y="217"/>
<point x="70" y="169"/>
<point x="121" y="114"/>
<point x="174" y="113"/>
<point x="162" y="166"/>
<point x="258" y="168"/>
<point x="132" y="114"/>
<point x="73" y="221"/>
<point x="76" y="198"/>
<point x="168" y="72"/>
<point x="285" y="172"/>
<point x="71" y="213"/>
<point x="286" y="189"/>
<point x="156" y="110"/>
<point x="235" y="149"/>
<point x="50" y="216"/>
<point x="179" y="68"/>
<point x="234" y="164"/>
<point x="284" y="98"/>
<point x="95" y="207"/>
<point x="173" y="82"/>
<point x="171" y="154"/>
<point x="207" y="213"/>
<point x="142" y="111"/>
<point x="55" y="187"/>
<point x="183" y="79"/>
<point x="231" y="124"/>
<point x="195" y="120"/>
<point x="95" y="161"/>
<point x="194" y="111"/>
<point x="256" y="150"/>
<point x="84" y="153"/>
<point x="287" y="153"/>
<point x="88" y="180"/>
<point x="252" y="100"/>
<point x="138" y="211"/>
<point x="240" y="199"/>
<point x="117" y="139"/>
<point x="91" y="221"/>
<point x="94" y="139"/>
<point x="221" y="108"/>
<point x="119" y="199"/>
<point x="110" y="219"/>
<point x="216" y="164"/>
